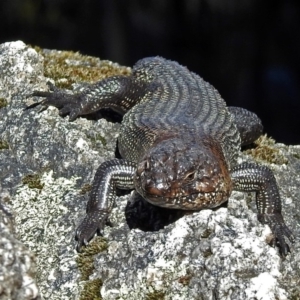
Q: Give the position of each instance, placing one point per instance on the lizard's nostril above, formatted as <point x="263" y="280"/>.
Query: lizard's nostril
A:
<point x="154" y="189"/>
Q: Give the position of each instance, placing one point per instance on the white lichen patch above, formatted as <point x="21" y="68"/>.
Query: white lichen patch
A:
<point x="169" y="263"/>
<point x="21" y="63"/>
<point x="39" y="226"/>
<point x="265" y="287"/>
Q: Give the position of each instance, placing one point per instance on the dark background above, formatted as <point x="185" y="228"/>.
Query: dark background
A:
<point x="248" y="49"/>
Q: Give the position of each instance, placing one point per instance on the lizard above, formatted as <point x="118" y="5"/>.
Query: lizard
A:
<point x="179" y="144"/>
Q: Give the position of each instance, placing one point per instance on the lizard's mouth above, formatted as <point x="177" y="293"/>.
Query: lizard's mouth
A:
<point x="195" y="201"/>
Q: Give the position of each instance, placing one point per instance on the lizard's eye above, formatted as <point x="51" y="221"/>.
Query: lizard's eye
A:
<point x="190" y="176"/>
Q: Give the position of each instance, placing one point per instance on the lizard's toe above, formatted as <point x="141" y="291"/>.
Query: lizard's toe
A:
<point x="280" y="232"/>
<point x="65" y="102"/>
<point x="92" y="223"/>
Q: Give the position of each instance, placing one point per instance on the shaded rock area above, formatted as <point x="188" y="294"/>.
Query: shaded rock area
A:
<point x="46" y="167"/>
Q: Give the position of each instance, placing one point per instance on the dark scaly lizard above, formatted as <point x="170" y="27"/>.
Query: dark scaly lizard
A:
<point x="179" y="144"/>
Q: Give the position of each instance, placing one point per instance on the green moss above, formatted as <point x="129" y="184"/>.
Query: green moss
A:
<point x="85" y="188"/>
<point x="91" y="290"/>
<point x="3" y="103"/>
<point x="266" y="152"/>
<point x="97" y="138"/>
<point x="67" y="67"/>
<point x="6" y="200"/>
<point x="155" y="295"/>
<point x="33" y="181"/>
<point x="3" y="145"/>
<point x="85" y="259"/>
<point x="295" y="292"/>
<point x="185" y="280"/>
<point x="85" y="263"/>
<point x="206" y="233"/>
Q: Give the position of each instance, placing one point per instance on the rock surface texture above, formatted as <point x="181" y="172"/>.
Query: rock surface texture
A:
<point x="45" y="161"/>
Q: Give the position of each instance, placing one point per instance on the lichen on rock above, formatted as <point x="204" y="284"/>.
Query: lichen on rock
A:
<point x="211" y="254"/>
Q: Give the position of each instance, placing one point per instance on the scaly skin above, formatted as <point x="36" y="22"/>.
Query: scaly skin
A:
<point x="179" y="144"/>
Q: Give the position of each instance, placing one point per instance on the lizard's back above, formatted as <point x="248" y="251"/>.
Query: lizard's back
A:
<point x="177" y="102"/>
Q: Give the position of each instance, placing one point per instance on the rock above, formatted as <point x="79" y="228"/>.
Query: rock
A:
<point x="46" y="165"/>
<point x="17" y="263"/>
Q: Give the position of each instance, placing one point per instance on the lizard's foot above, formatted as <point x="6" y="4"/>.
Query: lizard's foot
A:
<point x="66" y="103"/>
<point x="279" y="230"/>
<point x="92" y="223"/>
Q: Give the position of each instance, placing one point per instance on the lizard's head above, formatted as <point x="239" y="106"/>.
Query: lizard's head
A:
<point x="183" y="174"/>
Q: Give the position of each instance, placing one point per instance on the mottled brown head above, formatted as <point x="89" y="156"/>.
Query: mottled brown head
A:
<point x="184" y="174"/>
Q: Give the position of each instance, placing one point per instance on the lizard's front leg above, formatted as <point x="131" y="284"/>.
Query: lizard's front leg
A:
<point x="116" y="173"/>
<point x="119" y="93"/>
<point x="250" y="177"/>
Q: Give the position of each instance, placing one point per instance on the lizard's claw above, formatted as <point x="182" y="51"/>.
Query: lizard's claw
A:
<point x="279" y="230"/>
<point x="66" y="103"/>
<point x="92" y="223"/>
